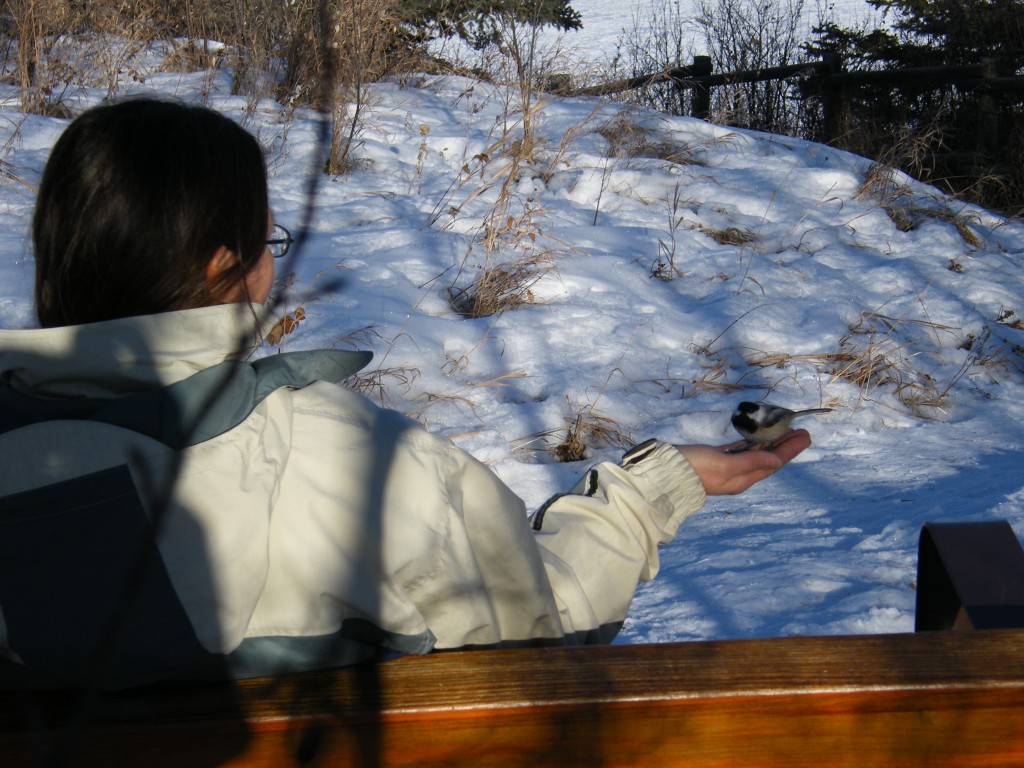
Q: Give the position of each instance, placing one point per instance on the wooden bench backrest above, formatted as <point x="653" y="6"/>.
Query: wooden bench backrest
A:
<point x="929" y="699"/>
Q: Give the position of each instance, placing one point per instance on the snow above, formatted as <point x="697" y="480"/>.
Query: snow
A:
<point x="905" y="334"/>
<point x="605" y="23"/>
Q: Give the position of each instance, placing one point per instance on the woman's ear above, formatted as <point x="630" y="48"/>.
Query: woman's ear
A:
<point x="218" y="271"/>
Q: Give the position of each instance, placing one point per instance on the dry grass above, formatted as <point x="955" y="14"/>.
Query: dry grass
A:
<point x="883" y="182"/>
<point x="877" y="363"/>
<point x="994" y="355"/>
<point x="587" y="428"/>
<point x="913" y="154"/>
<point x="302" y="52"/>
<point x="376" y="384"/>
<point x="628" y="139"/>
<point x="882" y="361"/>
<point x="516" y="255"/>
<point x="728" y="235"/>
<point x="880" y="353"/>
<point x="1000" y="190"/>
<point x="911" y="151"/>
<point x="194" y="56"/>
<point x="500" y="287"/>
<point x="1010" y="318"/>
<point x="871" y="365"/>
<point x="583" y="428"/>
<point x="361" y="338"/>
<point x="962" y="222"/>
<point x="463" y="396"/>
<point x="713" y="379"/>
<point x="7" y="168"/>
<point x="357" y="51"/>
<point x="665" y="267"/>
<point x="514" y="251"/>
<point x="908" y="216"/>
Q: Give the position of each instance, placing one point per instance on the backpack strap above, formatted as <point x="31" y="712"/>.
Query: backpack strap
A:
<point x="84" y="592"/>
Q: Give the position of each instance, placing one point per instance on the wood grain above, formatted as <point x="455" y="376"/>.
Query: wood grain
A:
<point x="930" y="699"/>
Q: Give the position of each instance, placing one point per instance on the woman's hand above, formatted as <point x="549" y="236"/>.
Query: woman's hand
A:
<point x="730" y="473"/>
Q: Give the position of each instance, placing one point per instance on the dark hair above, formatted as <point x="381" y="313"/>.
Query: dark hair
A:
<point x="137" y="196"/>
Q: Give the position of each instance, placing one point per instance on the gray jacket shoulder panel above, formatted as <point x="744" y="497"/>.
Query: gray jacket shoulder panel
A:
<point x="204" y="405"/>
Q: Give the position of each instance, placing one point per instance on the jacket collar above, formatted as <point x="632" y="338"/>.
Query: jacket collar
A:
<point x="117" y="357"/>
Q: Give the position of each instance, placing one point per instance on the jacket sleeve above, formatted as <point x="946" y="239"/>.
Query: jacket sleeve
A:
<point x="384" y="520"/>
<point x="601" y="540"/>
<point x="568" y="577"/>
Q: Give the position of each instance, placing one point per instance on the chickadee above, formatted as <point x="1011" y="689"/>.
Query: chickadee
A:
<point x="763" y="424"/>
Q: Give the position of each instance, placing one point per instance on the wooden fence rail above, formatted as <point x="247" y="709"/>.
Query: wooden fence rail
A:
<point x="828" y="79"/>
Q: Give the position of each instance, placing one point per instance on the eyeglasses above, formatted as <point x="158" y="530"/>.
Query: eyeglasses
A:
<point x="280" y="241"/>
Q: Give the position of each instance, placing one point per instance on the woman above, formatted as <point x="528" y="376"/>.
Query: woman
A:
<point x="296" y="525"/>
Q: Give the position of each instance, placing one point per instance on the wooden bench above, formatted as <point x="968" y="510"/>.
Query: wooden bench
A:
<point x="928" y="699"/>
<point x="933" y="698"/>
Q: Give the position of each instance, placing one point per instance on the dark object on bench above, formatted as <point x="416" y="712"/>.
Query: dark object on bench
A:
<point x="969" y="576"/>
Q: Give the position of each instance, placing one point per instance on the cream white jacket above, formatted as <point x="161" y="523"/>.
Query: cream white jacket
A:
<point x="297" y="525"/>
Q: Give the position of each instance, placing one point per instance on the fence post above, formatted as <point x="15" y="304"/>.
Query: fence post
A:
<point x="988" y="118"/>
<point x="835" y="102"/>
<point x="700" y="98"/>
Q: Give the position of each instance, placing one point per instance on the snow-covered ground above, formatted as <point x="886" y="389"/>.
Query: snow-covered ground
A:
<point x="794" y="280"/>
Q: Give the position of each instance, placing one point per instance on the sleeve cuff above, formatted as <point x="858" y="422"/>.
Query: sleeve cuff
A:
<point x="663" y="466"/>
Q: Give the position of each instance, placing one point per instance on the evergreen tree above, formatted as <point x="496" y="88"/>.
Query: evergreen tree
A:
<point x="935" y="32"/>
<point x="478" y="22"/>
<point x="939" y="119"/>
